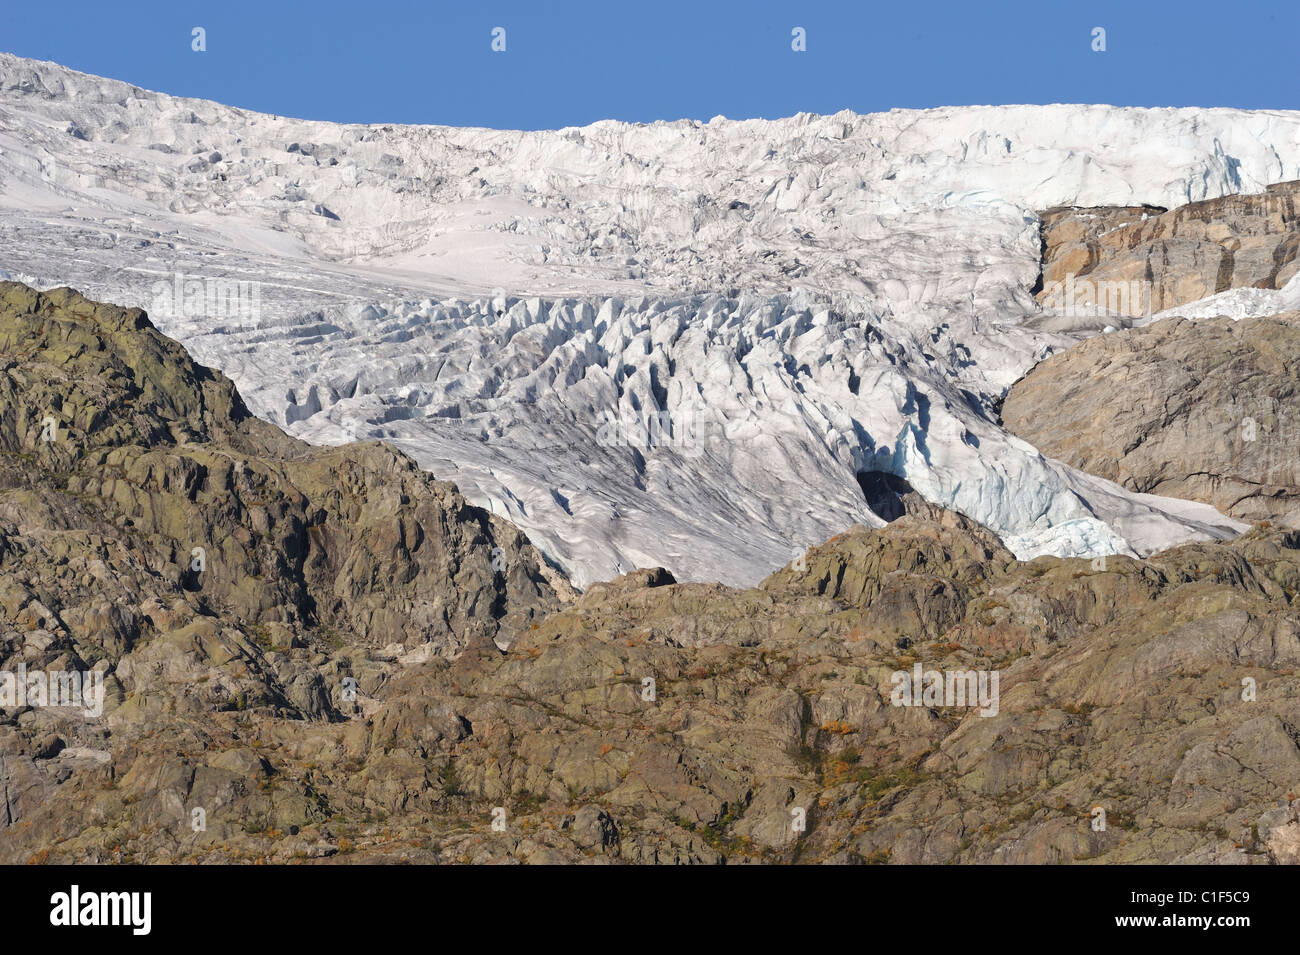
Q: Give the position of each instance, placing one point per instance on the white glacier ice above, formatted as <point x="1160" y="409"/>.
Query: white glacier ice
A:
<point x="676" y="343"/>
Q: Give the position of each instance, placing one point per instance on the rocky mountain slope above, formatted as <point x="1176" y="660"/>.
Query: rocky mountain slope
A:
<point x="646" y="720"/>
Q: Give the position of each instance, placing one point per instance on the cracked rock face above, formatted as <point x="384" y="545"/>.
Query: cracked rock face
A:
<point x="1170" y="257"/>
<point x="331" y="684"/>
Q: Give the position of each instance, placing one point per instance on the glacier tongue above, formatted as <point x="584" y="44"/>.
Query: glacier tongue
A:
<point x="673" y="344"/>
<point x="719" y="437"/>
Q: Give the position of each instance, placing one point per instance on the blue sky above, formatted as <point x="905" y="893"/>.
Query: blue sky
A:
<point x="571" y="62"/>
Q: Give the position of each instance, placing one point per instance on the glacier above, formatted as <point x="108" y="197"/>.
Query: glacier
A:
<point x="684" y="344"/>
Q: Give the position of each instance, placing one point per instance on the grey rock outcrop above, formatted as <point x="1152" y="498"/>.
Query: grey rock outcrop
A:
<point x="1206" y="410"/>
